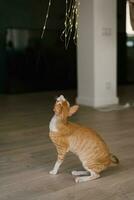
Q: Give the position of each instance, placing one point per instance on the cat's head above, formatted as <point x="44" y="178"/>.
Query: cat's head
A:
<point x="63" y="109"/>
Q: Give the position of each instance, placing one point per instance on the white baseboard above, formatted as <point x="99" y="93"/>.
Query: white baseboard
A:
<point x="97" y="102"/>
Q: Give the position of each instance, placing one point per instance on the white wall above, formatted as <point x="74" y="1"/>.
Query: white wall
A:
<point x="85" y="53"/>
<point x="97" y="53"/>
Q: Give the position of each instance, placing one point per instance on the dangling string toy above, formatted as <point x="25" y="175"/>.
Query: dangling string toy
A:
<point x="46" y="18"/>
<point x="70" y="24"/>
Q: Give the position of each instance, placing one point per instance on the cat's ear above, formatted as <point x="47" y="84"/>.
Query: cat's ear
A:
<point x="72" y="110"/>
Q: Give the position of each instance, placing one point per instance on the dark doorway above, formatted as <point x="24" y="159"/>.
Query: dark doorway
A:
<point x="121" y="42"/>
<point x="125" y="52"/>
<point x="35" y="64"/>
<point x="27" y="63"/>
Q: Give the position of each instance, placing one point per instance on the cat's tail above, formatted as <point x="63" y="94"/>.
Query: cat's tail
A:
<point x="114" y="159"/>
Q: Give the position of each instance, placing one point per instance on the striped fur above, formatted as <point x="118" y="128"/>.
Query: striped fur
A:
<point x="84" y="142"/>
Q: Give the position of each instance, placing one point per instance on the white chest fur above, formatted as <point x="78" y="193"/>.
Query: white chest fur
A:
<point x="53" y="124"/>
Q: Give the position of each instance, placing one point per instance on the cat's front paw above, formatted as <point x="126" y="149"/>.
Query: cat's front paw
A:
<point x="53" y="172"/>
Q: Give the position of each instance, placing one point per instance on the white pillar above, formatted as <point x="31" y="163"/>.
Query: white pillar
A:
<point x="97" y="85"/>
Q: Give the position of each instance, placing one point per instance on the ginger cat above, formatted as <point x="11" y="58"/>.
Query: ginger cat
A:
<point x="84" y="142"/>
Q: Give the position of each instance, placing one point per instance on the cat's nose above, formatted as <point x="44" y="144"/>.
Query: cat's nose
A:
<point x="61" y="98"/>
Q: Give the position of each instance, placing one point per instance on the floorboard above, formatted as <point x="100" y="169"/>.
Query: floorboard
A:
<point x="27" y="154"/>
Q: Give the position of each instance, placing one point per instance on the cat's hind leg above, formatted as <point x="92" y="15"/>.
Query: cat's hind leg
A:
<point x="78" y="173"/>
<point x="93" y="176"/>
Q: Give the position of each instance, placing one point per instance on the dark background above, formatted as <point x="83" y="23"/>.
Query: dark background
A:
<point x="45" y="64"/>
<point x="125" y="54"/>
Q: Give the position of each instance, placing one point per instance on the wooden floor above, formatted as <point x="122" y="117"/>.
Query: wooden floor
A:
<point x="27" y="155"/>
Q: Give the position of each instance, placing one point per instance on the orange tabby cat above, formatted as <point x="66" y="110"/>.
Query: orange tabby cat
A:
<point x="84" y="142"/>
